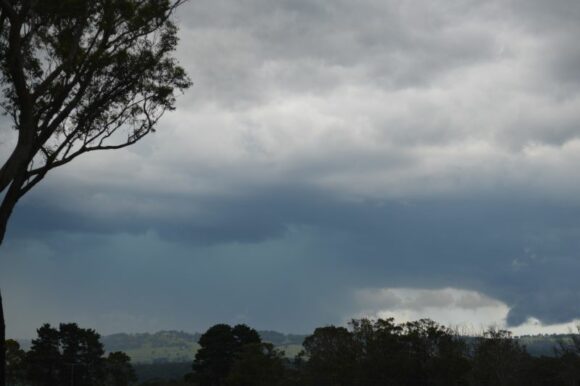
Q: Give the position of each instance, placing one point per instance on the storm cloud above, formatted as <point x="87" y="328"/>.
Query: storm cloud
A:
<point x="328" y="154"/>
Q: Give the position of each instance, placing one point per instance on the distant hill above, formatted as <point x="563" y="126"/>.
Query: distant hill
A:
<point x="166" y="347"/>
<point x="160" y="347"/>
<point x="178" y="346"/>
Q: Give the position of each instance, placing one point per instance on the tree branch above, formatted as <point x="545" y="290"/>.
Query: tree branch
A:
<point x="45" y="85"/>
<point x="66" y="100"/>
<point x="3" y="18"/>
<point x="15" y="60"/>
<point x="7" y="9"/>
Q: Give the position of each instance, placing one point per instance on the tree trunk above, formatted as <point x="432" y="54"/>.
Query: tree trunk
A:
<point x="2" y="345"/>
<point x="12" y="178"/>
<point x="2" y="326"/>
<point x="8" y="204"/>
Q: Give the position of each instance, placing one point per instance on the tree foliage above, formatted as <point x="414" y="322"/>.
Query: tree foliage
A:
<point x="220" y="346"/>
<point x="66" y="355"/>
<point x="498" y="359"/>
<point x="381" y="352"/>
<point x="329" y="356"/>
<point x="256" y="364"/>
<point x="15" y="363"/>
<point x="118" y="370"/>
<point x="79" y="76"/>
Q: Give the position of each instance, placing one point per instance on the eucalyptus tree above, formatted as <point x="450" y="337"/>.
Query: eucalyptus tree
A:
<point x="79" y="76"/>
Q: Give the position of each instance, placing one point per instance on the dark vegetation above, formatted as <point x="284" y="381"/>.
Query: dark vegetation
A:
<point x="382" y="352"/>
<point x="161" y="372"/>
<point x="368" y="353"/>
<point x="69" y="355"/>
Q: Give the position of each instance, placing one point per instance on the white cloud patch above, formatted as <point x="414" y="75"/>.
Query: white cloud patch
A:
<point x="470" y="312"/>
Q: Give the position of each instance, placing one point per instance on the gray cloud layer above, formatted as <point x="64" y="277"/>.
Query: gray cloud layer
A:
<point x="328" y="147"/>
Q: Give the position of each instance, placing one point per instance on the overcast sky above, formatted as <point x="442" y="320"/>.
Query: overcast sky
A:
<point x="334" y="159"/>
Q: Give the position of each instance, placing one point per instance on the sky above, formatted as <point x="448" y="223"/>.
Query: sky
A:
<point x="333" y="160"/>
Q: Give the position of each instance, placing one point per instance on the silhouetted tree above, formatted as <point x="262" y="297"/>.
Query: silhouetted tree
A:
<point x="44" y="359"/>
<point x="118" y="370"/>
<point x="545" y="371"/>
<point x="2" y="332"/>
<point x="220" y="346"/>
<point x="499" y="360"/>
<point x="15" y="363"/>
<point x="381" y="352"/>
<point x="256" y="364"/>
<point x="78" y="76"/>
<point x="382" y="357"/>
<point x="244" y="335"/>
<point x="69" y="355"/>
<point x="330" y="357"/>
<point x="569" y="360"/>
<point x="215" y="356"/>
<point x="436" y="355"/>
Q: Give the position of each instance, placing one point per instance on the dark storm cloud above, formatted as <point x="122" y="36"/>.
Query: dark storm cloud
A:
<point x="522" y="252"/>
<point x="328" y="147"/>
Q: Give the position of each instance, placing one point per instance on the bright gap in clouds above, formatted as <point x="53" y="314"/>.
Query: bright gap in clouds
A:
<point x="469" y="312"/>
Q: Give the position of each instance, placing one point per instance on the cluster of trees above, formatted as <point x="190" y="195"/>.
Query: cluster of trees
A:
<point x="368" y="353"/>
<point x="378" y="353"/>
<point x="69" y="355"/>
<point x="236" y="356"/>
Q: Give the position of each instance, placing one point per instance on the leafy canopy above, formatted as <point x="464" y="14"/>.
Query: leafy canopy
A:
<point x="66" y="355"/>
<point x="82" y="75"/>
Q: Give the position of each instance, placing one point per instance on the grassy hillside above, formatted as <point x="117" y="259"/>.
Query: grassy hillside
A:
<point x="161" y="347"/>
<point x="178" y="346"/>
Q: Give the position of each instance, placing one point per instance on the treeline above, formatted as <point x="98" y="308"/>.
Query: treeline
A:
<point x="368" y="353"/>
<point x="67" y="355"/>
<point x="379" y="353"/>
